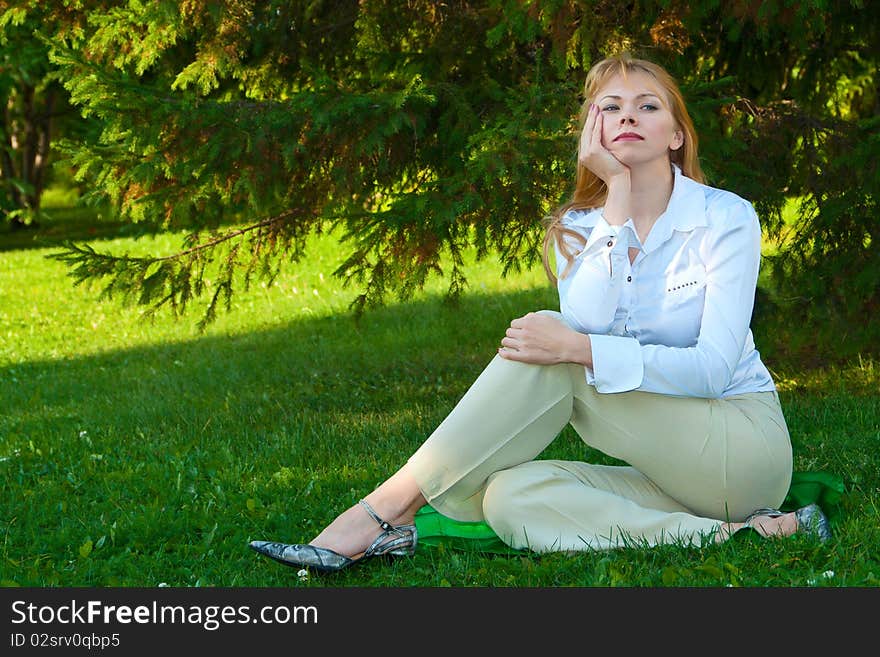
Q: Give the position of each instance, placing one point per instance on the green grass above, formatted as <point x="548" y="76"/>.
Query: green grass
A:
<point x="136" y="453"/>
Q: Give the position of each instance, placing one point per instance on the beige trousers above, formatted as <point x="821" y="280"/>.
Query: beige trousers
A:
<point x="693" y="463"/>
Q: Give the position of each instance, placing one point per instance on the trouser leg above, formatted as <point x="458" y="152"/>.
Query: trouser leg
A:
<point x="550" y="505"/>
<point x="507" y="417"/>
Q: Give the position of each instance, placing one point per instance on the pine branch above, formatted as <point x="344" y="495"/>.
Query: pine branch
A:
<point x="177" y="279"/>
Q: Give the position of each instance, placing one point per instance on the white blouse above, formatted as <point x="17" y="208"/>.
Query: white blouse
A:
<point x="676" y="320"/>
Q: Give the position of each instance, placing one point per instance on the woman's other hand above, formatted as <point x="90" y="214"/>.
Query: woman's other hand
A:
<point x="542" y="339"/>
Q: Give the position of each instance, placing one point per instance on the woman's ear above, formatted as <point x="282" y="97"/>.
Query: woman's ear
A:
<point x="677" y="140"/>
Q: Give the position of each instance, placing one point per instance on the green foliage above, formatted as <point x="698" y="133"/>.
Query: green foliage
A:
<point x="422" y="128"/>
<point x="837" y="237"/>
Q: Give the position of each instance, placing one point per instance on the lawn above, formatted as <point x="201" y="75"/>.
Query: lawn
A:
<point x="143" y="453"/>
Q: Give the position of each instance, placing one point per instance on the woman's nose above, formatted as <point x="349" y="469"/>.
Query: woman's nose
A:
<point x="626" y="118"/>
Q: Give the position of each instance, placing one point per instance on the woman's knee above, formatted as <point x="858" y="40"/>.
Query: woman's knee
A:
<point x="500" y="491"/>
<point x="501" y="498"/>
<point x="510" y="497"/>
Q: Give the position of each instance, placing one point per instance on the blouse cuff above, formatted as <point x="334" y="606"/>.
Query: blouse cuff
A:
<point x="617" y="363"/>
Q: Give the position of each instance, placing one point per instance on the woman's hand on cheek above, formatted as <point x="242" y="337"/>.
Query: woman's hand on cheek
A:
<point x="592" y="152"/>
<point x="544" y="340"/>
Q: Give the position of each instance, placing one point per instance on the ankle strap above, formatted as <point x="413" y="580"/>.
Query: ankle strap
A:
<point x="375" y="516"/>
<point x="770" y="513"/>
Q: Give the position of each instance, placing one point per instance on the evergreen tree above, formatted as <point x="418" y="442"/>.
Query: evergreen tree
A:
<point x="420" y="128"/>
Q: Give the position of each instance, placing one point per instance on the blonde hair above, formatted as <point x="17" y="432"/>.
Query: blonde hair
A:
<point x="590" y="190"/>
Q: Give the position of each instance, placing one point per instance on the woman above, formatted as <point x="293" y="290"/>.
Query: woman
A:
<point x="651" y="360"/>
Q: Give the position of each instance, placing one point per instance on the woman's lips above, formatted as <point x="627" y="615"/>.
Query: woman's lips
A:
<point x="628" y="136"/>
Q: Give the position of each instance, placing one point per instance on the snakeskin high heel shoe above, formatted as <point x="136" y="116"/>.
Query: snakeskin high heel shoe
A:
<point x="810" y="520"/>
<point x="395" y="540"/>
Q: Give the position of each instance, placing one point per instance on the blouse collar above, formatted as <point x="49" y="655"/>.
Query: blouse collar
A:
<point x="685" y="211"/>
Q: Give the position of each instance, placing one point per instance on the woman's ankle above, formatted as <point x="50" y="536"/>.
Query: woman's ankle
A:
<point x="775" y="526"/>
<point x="398" y="498"/>
<point x="394" y="510"/>
<point x="726" y="530"/>
<point x="767" y="526"/>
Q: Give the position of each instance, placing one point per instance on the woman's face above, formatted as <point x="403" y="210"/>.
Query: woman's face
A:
<point x="637" y="126"/>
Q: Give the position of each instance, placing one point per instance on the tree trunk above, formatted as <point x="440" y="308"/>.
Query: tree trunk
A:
<point x="43" y="127"/>
<point x="7" y="164"/>
<point x="25" y="152"/>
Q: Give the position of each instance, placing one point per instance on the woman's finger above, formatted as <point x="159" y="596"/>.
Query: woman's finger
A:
<point x="596" y="140"/>
<point x="587" y="132"/>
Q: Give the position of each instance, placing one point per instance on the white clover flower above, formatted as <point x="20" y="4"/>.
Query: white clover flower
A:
<point x="303" y="575"/>
<point x="828" y="574"/>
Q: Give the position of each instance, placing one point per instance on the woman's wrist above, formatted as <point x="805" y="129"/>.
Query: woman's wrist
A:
<point x="619" y="180"/>
<point x="580" y="350"/>
<point x="616" y="208"/>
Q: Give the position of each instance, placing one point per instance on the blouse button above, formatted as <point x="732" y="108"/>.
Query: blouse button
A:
<point x="629" y="279"/>
<point x="610" y="243"/>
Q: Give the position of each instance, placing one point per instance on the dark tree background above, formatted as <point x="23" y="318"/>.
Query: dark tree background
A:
<point x="420" y="128"/>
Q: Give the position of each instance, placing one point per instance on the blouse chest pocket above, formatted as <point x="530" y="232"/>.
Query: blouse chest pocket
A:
<point x="683" y="286"/>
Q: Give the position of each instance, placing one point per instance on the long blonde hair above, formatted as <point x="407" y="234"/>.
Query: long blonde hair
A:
<point x="590" y="190"/>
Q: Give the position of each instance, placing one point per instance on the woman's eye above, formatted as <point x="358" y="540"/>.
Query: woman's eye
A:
<point x="650" y="107"/>
<point x="610" y="108"/>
